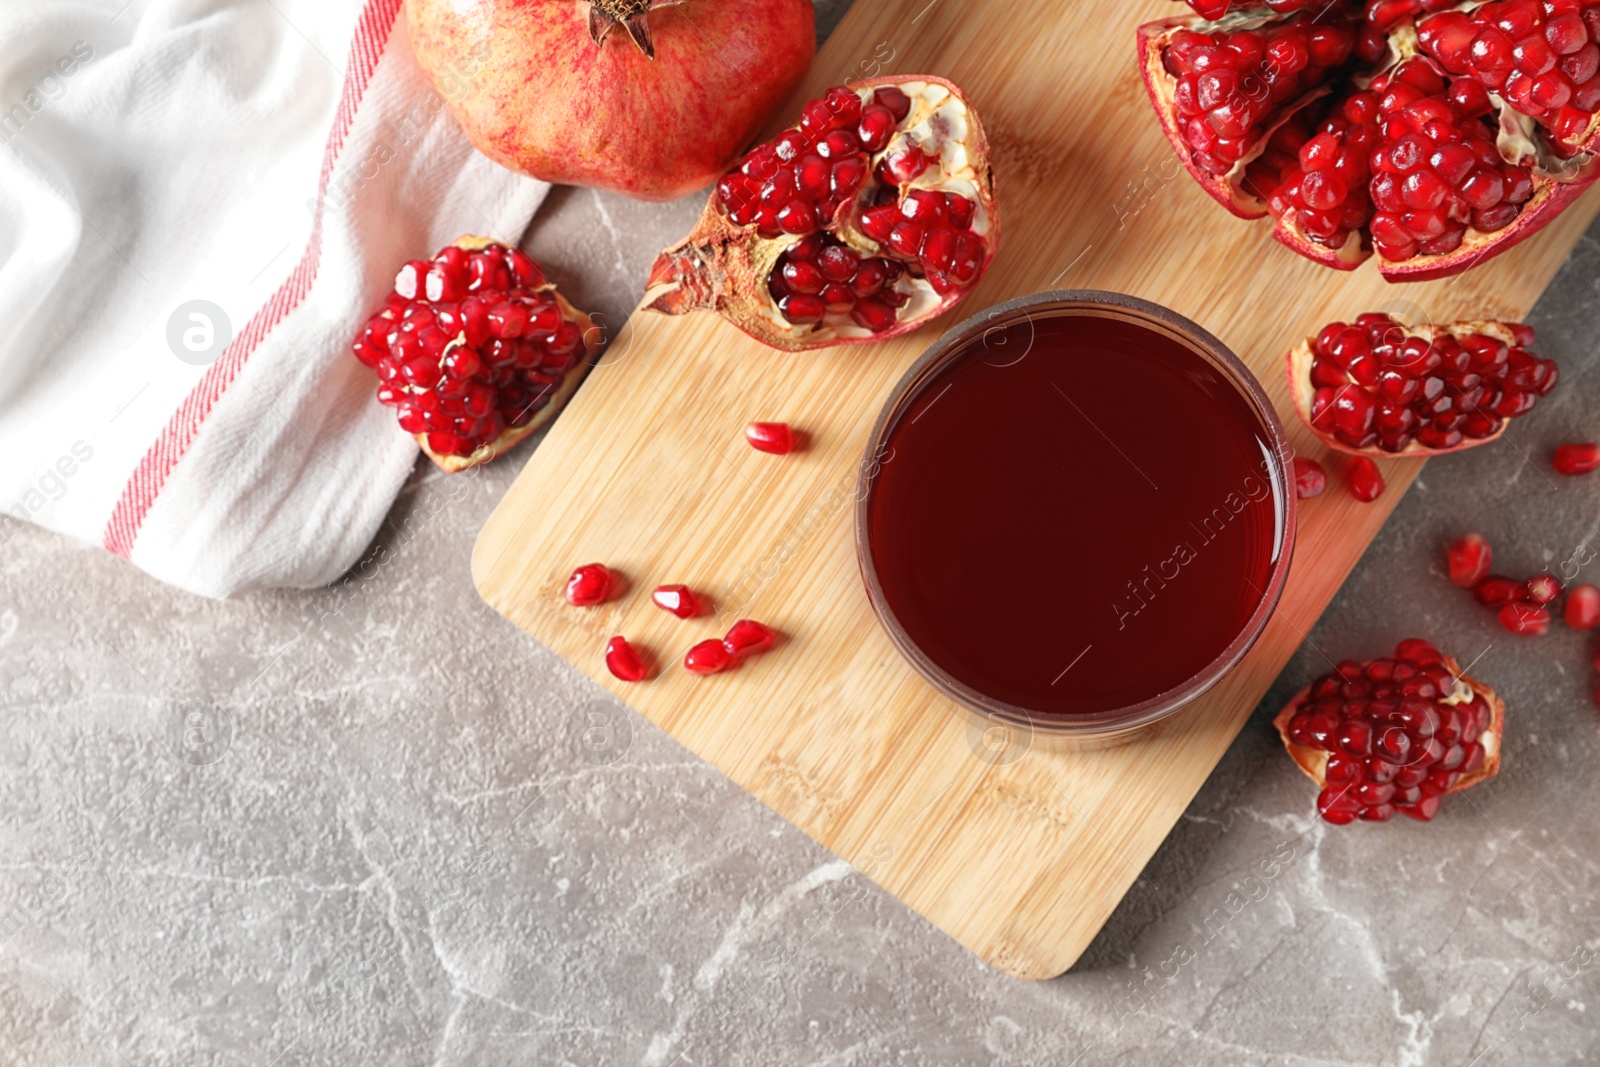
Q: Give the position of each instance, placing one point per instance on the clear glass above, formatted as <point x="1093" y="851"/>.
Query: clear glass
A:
<point x="1122" y="724"/>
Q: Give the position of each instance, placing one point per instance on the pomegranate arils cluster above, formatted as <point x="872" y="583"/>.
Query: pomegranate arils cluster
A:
<point x="797" y="183"/>
<point x="1231" y="83"/>
<point x="470" y="347"/>
<point x="1540" y="56"/>
<point x="821" y="276"/>
<point x="1433" y="132"/>
<point x="1378" y="385"/>
<point x="1400" y="733"/>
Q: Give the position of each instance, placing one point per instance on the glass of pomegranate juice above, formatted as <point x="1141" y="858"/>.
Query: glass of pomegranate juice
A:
<point x="1074" y="514"/>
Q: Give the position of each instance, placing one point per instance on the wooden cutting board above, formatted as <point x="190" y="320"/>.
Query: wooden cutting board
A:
<point x="1019" y="859"/>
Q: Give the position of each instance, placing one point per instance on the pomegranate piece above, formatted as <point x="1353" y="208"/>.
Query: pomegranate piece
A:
<point x="1358" y="139"/>
<point x="624" y="662"/>
<point x="1583" y="608"/>
<point x="708" y="657"/>
<point x="1576" y="459"/>
<point x="872" y="216"/>
<point x="1365" y="480"/>
<point x="589" y="585"/>
<point x="1309" y="478"/>
<point x="747" y="638"/>
<point x="1395" y="734"/>
<point x="641" y="96"/>
<point x="1525" y="618"/>
<point x="475" y="350"/>
<point x="1469" y="559"/>
<point x="679" y="600"/>
<point x="1380" y="387"/>
<point x="774" y="437"/>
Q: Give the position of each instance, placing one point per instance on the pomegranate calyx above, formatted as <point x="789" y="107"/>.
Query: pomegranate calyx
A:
<point x="631" y="15"/>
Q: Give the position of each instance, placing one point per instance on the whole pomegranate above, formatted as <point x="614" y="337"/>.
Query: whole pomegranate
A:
<point x="1393" y="735"/>
<point x="1436" y="133"/>
<point x="651" y="98"/>
<point x="870" y="217"/>
<point x="1381" y="387"/>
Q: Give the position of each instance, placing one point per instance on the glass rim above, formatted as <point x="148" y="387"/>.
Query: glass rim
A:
<point x="1118" y="723"/>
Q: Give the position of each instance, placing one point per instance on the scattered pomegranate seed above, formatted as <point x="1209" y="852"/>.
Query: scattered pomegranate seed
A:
<point x="774" y="437"/>
<point x="748" y="637"/>
<point x="1365" y="480"/>
<point x="708" y="657"/>
<point x="1543" y="588"/>
<point x="1497" y="590"/>
<point x="1583" y="607"/>
<point x="589" y="585"/>
<point x="1400" y="733"/>
<point x="1576" y="459"/>
<point x="1469" y="559"/>
<point x="677" y="599"/>
<point x="1529" y="620"/>
<point x="1309" y="478"/>
<point x="623" y="662"/>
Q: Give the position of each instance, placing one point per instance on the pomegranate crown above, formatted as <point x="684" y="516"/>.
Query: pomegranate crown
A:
<point x="631" y="15"/>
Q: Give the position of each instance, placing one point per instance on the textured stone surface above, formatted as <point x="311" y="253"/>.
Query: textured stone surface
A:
<point x="400" y="855"/>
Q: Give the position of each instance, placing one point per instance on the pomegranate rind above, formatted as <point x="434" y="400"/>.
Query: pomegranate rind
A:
<point x="722" y="266"/>
<point x="514" y="435"/>
<point x="1313" y="762"/>
<point x="1297" y="365"/>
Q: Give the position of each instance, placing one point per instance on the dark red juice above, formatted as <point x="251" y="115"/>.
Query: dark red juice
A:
<point x="1083" y="528"/>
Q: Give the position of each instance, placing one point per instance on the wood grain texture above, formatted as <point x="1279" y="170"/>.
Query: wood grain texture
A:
<point x="648" y="471"/>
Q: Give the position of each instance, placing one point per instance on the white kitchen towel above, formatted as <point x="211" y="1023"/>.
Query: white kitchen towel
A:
<point x="200" y="202"/>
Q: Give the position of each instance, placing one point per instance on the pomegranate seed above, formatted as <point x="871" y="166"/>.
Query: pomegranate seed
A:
<point x="1309" y="478"/>
<point x="1365" y="480"/>
<point x="748" y="637"/>
<point x="1583" y="607"/>
<point x="1576" y="459"/>
<point x="1543" y="588"/>
<point x="1469" y="559"/>
<point x="623" y="662"/>
<point x="708" y="657"/>
<point x="589" y="585"/>
<point x="1496" y="591"/>
<point x="1521" y="617"/>
<point x="774" y="437"/>
<point x="677" y="599"/>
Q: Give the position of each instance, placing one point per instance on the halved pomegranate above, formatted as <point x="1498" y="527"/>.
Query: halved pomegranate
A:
<point x="1394" y="734"/>
<point x="475" y="350"/>
<point x="1382" y="387"/>
<point x="1361" y="128"/>
<point x="873" y="215"/>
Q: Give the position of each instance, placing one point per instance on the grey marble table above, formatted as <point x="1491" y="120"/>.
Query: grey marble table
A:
<point x="394" y="854"/>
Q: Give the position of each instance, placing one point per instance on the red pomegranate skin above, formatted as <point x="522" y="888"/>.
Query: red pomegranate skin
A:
<point x="534" y="93"/>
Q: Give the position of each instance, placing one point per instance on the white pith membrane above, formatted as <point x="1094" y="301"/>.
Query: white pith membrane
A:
<point x="1556" y="179"/>
<point x="1313" y="762"/>
<point x="941" y="124"/>
<point x="1301" y="389"/>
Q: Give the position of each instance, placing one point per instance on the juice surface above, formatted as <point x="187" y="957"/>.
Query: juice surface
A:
<point x="1078" y="514"/>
